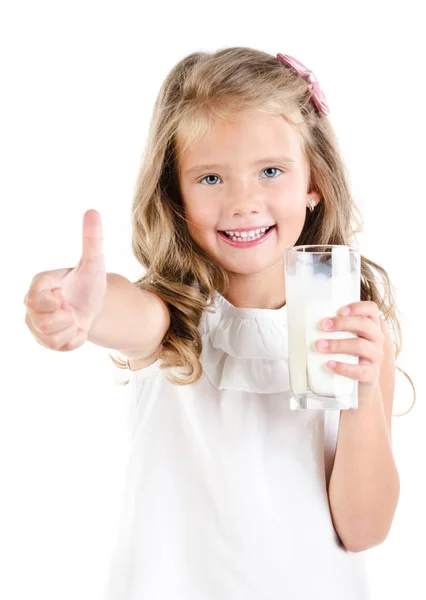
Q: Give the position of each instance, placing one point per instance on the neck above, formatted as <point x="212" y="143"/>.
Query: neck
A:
<point x="256" y="291"/>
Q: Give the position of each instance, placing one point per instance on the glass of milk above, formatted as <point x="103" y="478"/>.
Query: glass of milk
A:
<point x="319" y="281"/>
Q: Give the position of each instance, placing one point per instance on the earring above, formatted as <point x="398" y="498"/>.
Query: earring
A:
<point x="311" y="204"/>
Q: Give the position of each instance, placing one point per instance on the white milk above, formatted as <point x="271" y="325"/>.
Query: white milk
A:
<point x="311" y="298"/>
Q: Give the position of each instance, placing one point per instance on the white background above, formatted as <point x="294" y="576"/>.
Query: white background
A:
<point x="78" y="84"/>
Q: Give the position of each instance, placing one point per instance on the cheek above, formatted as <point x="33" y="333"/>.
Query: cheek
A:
<point x="289" y="200"/>
<point x="290" y="218"/>
<point x="291" y="212"/>
<point x="200" y="218"/>
<point x="201" y="227"/>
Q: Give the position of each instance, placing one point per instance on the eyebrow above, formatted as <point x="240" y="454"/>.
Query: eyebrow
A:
<point x="271" y="159"/>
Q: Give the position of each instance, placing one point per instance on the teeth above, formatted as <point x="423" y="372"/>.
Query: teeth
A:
<point x="247" y="235"/>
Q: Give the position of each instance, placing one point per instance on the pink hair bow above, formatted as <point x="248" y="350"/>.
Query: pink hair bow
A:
<point x="317" y="94"/>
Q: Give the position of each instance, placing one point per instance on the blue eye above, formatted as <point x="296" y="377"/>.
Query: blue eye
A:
<point x="267" y="169"/>
<point x="201" y="180"/>
<point x="272" y="169"/>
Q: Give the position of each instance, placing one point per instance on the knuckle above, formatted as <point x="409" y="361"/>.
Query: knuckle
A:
<point x="65" y="339"/>
<point x="372" y="307"/>
<point x="340" y="323"/>
<point x="364" y="372"/>
<point x="37" y="277"/>
<point x="362" y="345"/>
<point x="68" y="346"/>
<point x="29" y="301"/>
<point x="56" y="341"/>
<point x="33" y="300"/>
<point x="44" y="325"/>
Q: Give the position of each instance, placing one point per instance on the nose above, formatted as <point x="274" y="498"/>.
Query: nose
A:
<point x="242" y="202"/>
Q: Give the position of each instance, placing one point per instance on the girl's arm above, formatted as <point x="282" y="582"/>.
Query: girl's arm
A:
<point x="131" y="320"/>
<point x="364" y="484"/>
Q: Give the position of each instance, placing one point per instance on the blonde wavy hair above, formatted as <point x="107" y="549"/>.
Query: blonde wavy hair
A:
<point x="200" y="89"/>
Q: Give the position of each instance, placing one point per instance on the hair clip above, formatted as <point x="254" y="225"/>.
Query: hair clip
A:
<point x="317" y="94"/>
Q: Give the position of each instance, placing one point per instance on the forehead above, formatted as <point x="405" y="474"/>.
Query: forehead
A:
<point x="245" y="135"/>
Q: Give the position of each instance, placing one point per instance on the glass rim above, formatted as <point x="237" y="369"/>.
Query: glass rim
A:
<point x="302" y="248"/>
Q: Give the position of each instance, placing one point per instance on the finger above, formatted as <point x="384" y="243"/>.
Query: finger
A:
<point x="44" y="300"/>
<point x="68" y="339"/>
<point x="363" y="373"/>
<point x="48" y="323"/>
<point x="354" y="346"/>
<point x="365" y="308"/>
<point x="77" y="341"/>
<point x="46" y="281"/>
<point x="60" y="340"/>
<point x="92" y="237"/>
<point x="362" y="326"/>
<point x="40" y="338"/>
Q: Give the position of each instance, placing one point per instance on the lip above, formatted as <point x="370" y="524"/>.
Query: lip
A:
<point x="253" y="228"/>
<point x="250" y="243"/>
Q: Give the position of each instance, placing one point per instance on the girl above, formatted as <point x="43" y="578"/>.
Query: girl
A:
<point x="229" y="493"/>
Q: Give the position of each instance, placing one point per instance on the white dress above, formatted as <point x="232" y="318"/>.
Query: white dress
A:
<point x="225" y="495"/>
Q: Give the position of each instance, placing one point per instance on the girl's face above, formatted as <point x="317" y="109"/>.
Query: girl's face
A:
<point x="246" y="174"/>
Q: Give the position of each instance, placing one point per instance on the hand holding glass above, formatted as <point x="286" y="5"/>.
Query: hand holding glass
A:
<point x="319" y="281"/>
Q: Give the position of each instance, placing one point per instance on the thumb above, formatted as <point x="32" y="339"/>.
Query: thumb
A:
<point x="92" y="237"/>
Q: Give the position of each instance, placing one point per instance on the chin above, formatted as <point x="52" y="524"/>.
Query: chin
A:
<point x="249" y="267"/>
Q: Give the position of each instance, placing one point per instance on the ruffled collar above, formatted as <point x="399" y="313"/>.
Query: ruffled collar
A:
<point x="245" y="348"/>
<point x="279" y="314"/>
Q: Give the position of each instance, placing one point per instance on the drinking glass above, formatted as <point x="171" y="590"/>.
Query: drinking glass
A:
<point x="319" y="280"/>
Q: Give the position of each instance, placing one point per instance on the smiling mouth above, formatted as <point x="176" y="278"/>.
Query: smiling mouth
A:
<point x="239" y="237"/>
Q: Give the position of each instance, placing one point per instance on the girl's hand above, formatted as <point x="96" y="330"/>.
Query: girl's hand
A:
<point x="361" y="318"/>
<point x="62" y="304"/>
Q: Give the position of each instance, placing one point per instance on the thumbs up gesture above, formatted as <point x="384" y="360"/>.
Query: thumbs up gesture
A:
<point x="62" y="304"/>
